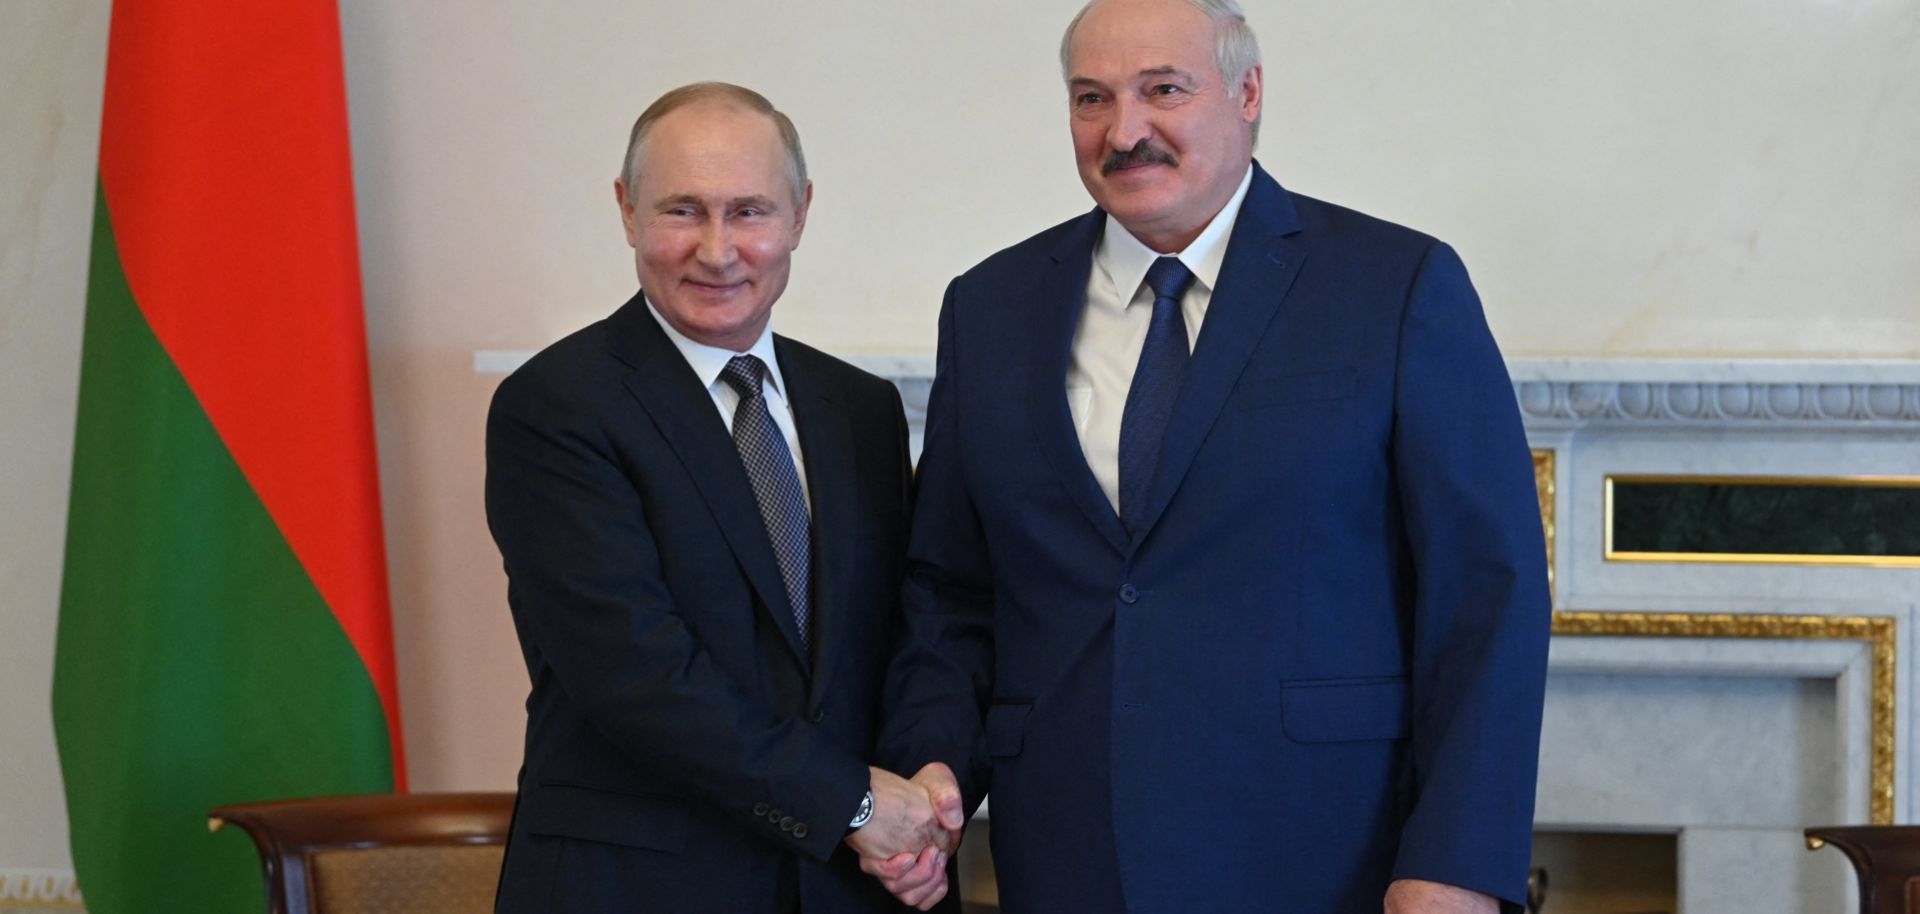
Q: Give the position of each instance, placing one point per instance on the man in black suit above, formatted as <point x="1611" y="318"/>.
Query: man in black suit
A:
<point x="703" y="528"/>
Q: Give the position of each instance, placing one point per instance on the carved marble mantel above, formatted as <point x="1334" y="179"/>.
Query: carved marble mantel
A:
<point x="1736" y="393"/>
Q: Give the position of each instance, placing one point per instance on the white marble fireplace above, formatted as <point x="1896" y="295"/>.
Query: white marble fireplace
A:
<point x="1729" y="704"/>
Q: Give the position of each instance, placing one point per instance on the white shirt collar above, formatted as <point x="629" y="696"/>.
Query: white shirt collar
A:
<point x="709" y="361"/>
<point x="1126" y="259"/>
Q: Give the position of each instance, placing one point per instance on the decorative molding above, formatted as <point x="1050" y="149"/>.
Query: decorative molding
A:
<point x="1878" y="632"/>
<point x="1741" y="403"/>
<point x="1815" y="393"/>
<point x="915" y="391"/>
<point x="40" y="889"/>
<point x="1714" y="370"/>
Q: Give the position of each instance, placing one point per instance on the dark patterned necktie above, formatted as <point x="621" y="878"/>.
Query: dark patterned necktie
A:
<point x="1156" y="381"/>
<point x="776" y="484"/>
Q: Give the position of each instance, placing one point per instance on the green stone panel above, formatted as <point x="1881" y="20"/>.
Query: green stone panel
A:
<point x="1812" y="519"/>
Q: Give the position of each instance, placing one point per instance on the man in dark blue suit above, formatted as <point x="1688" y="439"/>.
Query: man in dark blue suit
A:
<point x="702" y="525"/>
<point x="1226" y="576"/>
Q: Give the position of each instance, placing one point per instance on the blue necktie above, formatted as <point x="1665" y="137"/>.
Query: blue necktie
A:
<point x="1156" y="381"/>
<point x="776" y="484"/>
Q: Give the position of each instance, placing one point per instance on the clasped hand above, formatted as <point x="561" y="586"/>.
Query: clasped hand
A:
<point x="915" y="827"/>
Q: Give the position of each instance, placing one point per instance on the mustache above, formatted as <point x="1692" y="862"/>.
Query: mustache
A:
<point x="1142" y="153"/>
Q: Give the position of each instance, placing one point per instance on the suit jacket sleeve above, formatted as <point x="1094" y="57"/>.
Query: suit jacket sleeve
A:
<point x="1481" y="612"/>
<point x="940" y="678"/>
<point x="590" y="599"/>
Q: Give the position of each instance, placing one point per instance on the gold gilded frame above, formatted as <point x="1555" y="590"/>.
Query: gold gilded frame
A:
<point x="1543" y="487"/>
<point x="1878" y="632"/>
<point x="1742" y="558"/>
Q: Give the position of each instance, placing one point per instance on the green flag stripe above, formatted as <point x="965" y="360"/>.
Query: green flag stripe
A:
<point x="196" y="663"/>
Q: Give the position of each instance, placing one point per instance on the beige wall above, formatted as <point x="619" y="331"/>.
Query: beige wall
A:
<point x="52" y="55"/>
<point x="1628" y="178"/>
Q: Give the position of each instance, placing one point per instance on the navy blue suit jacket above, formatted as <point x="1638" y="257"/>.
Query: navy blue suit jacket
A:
<point x="1319" y="668"/>
<point x="683" y="752"/>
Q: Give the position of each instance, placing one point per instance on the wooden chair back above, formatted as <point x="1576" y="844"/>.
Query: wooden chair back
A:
<point x="378" y="854"/>
<point x="1886" y="858"/>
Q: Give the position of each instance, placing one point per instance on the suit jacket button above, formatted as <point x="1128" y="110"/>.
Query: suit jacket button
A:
<point x="773" y="815"/>
<point x="819" y="715"/>
<point x="800" y="831"/>
<point x="760" y="809"/>
<point x="787" y="823"/>
<point x="1129" y="594"/>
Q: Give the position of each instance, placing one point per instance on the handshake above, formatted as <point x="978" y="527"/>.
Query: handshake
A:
<point x="914" y="829"/>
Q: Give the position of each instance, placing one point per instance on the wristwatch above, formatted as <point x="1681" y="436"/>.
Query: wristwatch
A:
<point x="865" y="813"/>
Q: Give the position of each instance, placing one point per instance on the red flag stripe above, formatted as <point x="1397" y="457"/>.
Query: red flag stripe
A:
<point x="228" y="176"/>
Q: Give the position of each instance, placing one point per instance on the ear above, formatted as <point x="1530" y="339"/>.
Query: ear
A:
<point x="1252" y="93"/>
<point x="626" y="212"/>
<point x="800" y="215"/>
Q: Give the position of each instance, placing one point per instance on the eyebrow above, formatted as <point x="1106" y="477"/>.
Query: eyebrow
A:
<point x="1167" y="70"/>
<point x="766" y="203"/>
<point x="1162" y="70"/>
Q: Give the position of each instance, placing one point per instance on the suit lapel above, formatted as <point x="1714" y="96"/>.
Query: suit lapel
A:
<point x="1259" y="269"/>
<point x="1057" y="301"/>
<point x="683" y="411"/>
<point x="826" y="443"/>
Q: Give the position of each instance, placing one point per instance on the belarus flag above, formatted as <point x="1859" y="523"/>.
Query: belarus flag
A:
<point x="224" y="633"/>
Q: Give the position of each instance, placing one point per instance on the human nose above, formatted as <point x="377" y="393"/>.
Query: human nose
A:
<point x="717" y="251"/>
<point x="1130" y="124"/>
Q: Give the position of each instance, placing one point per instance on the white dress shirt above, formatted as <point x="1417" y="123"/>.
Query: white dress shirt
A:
<point x="1113" y="329"/>
<point x="708" y="362"/>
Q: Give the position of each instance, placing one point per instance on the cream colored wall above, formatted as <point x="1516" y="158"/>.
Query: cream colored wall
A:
<point x="52" y="55"/>
<point x="1623" y="178"/>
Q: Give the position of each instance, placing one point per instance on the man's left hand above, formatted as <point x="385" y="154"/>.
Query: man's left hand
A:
<point x="943" y="791"/>
<point x="1416" y="896"/>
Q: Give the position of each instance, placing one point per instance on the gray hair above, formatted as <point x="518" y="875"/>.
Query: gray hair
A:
<point x="1235" y="50"/>
<point x="727" y="93"/>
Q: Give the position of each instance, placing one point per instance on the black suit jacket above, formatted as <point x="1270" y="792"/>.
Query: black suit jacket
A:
<point x="683" y="752"/>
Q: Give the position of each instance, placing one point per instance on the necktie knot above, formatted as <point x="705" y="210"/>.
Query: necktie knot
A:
<point x="744" y="373"/>
<point x="1168" y="278"/>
